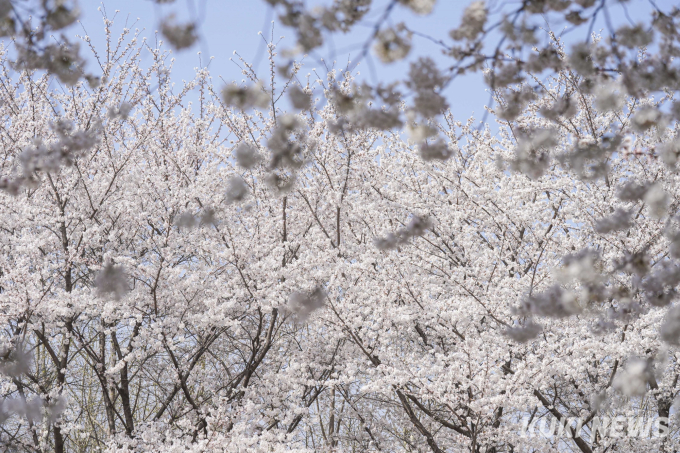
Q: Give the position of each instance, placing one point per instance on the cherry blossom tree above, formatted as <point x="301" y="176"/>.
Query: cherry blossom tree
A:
<point x="199" y="268"/>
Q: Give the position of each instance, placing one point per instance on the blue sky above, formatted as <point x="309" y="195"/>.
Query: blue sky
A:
<point x="230" y="25"/>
